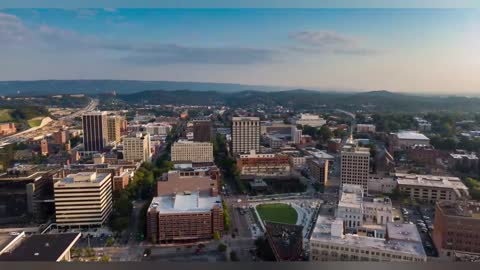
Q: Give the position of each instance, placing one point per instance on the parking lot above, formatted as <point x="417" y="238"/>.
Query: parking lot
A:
<point x="423" y="218"/>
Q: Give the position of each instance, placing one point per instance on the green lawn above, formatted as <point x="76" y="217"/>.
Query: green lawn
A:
<point x="277" y="212"/>
<point x="34" y="122"/>
<point x="5" y="115"/>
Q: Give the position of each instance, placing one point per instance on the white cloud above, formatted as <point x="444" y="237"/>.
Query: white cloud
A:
<point x="12" y="29"/>
<point x="327" y="42"/>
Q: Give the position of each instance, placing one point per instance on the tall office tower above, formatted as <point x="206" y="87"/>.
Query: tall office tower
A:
<point x="355" y="165"/>
<point x="44" y="147"/>
<point x="94" y="131"/>
<point x="245" y="134"/>
<point x="114" y="124"/>
<point x="83" y="199"/>
<point x="202" y="130"/>
<point x="137" y="148"/>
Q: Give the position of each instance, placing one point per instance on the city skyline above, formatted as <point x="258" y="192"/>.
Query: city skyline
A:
<point x="403" y="50"/>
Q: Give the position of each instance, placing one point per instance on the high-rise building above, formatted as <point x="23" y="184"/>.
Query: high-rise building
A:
<point x="245" y="134"/>
<point x="318" y="170"/>
<point x="202" y="130"/>
<point x="95" y="131"/>
<point x="83" y="199"/>
<point x="114" y="126"/>
<point x="195" y="152"/>
<point x="44" y="147"/>
<point x="457" y="228"/>
<point x="137" y="148"/>
<point x="355" y="165"/>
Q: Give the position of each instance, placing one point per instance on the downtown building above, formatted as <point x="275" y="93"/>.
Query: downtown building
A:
<point x="114" y="123"/>
<point x="355" y="165"/>
<point x="194" y="152"/>
<point x="83" y="199"/>
<point x="431" y="188"/>
<point x="255" y="165"/>
<point x="245" y="134"/>
<point x="202" y="130"/>
<point x="329" y="242"/>
<point x="457" y="229"/>
<point x="187" y="207"/>
<point x="137" y="148"/>
<point x="95" y="131"/>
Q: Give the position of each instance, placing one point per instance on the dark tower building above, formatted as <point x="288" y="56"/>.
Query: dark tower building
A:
<point x="94" y="131"/>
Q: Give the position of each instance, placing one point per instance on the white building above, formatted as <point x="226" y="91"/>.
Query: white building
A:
<point x="196" y="152"/>
<point x="310" y="120"/>
<point x="157" y="128"/>
<point x="381" y="184"/>
<point x="137" y="148"/>
<point x="363" y="214"/>
<point x="83" y="199"/>
<point x="328" y="242"/>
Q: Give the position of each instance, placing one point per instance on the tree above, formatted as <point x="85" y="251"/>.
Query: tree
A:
<point x="109" y="242"/>
<point x="233" y="256"/>
<point x="216" y="235"/>
<point x="222" y="247"/>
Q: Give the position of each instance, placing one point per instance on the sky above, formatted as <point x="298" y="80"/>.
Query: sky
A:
<point x="402" y="50"/>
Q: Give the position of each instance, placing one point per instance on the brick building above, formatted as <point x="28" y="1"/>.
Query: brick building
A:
<point x="457" y="228"/>
<point x="264" y="165"/>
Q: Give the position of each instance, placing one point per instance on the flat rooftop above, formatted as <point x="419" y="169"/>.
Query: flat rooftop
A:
<point x="433" y="181"/>
<point x="323" y="228"/>
<point x="410" y="135"/>
<point x="83" y="177"/>
<point x="402" y="231"/>
<point x="185" y="203"/>
<point x="460" y="209"/>
<point x="42" y="247"/>
<point x="351" y="196"/>
<point x="245" y="118"/>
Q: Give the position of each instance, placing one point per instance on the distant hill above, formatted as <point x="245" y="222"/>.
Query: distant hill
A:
<point x="46" y="87"/>
<point x="305" y="99"/>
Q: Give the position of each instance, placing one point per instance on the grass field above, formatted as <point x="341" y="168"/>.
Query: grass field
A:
<point x="5" y="115"/>
<point x="34" y="122"/>
<point x="277" y="212"/>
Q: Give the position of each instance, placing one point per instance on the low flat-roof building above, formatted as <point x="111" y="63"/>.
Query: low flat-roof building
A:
<point x="184" y="217"/>
<point x="263" y="165"/>
<point x="405" y="139"/>
<point x="204" y="180"/>
<point x="42" y="248"/>
<point x="431" y="188"/>
<point x="329" y="243"/>
<point x="463" y="161"/>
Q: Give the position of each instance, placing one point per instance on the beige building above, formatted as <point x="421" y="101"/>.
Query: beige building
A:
<point x="114" y="124"/>
<point x="355" y="165"/>
<point x="431" y="188"/>
<point x="83" y="199"/>
<point x="328" y="242"/>
<point x="137" y="148"/>
<point x="245" y="134"/>
<point x="196" y="152"/>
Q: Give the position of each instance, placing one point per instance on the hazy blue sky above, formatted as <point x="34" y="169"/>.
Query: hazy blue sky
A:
<point x="415" y="50"/>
